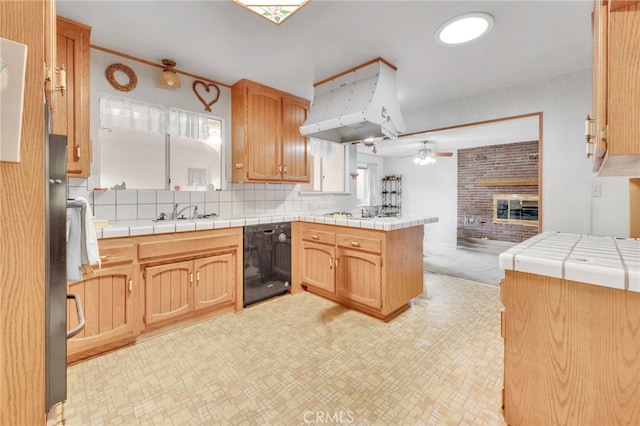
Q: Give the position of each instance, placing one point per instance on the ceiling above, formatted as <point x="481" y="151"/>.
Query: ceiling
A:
<point x="220" y="40"/>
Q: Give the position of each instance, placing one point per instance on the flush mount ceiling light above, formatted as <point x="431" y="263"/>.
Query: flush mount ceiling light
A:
<point x="464" y="28"/>
<point x="274" y="11"/>
<point x="169" y="79"/>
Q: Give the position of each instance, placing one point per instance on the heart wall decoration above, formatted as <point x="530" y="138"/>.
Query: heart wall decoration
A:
<point x="207" y="88"/>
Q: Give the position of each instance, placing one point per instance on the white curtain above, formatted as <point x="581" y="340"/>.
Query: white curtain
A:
<point x="373" y="186"/>
<point x="189" y="124"/>
<point x="132" y="115"/>
<point x="321" y="147"/>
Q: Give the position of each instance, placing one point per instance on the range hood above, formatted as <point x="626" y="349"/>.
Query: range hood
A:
<point x="358" y="104"/>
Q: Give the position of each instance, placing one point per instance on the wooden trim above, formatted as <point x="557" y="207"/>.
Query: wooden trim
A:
<point x="510" y="182"/>
<point x="634" y="208"/>
<point x="153" y="64"/>
<point x="378" y="59"/>
<point x="474" y="123"/>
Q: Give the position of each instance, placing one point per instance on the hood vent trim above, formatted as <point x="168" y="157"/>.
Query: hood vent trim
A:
<point x="358" y="104"/>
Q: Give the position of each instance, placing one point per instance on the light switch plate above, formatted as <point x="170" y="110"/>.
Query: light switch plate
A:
<point x="596" y="190"/>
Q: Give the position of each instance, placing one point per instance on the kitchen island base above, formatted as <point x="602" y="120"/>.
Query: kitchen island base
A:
<point x="572" y="352"/>
<point x="374" y="271"/>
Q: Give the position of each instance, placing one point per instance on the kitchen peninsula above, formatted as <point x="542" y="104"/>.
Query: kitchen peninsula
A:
<point x="571" y="329"/>
<point x="159" y="273"/>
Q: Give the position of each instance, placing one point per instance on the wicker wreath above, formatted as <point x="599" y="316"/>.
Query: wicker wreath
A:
<point x="133" y="79"/>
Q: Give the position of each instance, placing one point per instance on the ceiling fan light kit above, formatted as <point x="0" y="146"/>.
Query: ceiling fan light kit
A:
<point x="426" y="156"/>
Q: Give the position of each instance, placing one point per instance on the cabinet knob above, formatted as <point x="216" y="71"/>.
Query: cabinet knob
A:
<point x="355" y="244"/>
<point x="239" y="165"/>
<point x="315" y="237"/>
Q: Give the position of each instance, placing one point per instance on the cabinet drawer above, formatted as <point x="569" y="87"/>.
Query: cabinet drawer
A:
<point x="361" y="243"/>
<point x="319" y="236"/>
<point x="116" y="254"/>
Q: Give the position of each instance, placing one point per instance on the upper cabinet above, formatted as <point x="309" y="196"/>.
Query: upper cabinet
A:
<point x="71" y="106"/>
<point x="267" y="145"/>
<point x="616" y="88"/>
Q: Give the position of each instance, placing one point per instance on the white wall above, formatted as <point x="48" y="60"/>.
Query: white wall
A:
<point x="567" y="204"/>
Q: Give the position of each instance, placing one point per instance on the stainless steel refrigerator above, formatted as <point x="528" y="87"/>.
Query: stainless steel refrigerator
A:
<point x="56" y="267"/>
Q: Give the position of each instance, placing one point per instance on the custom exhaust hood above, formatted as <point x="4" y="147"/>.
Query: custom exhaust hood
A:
<point x="358" y="104"/>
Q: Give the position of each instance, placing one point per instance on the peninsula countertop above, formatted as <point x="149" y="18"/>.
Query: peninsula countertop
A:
<point x="127" y="228"/>
<point x="604" y="261"/>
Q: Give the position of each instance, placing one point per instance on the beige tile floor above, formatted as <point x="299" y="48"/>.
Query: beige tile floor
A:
<point x="301" y="359"/>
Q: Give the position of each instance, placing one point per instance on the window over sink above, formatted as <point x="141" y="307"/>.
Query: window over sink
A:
<point x="147" y="146"/>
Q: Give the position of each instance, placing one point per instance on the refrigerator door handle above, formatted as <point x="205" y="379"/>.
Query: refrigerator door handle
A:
<point x="75" y="330"/>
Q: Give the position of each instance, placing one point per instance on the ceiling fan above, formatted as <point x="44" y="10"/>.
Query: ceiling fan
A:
<point x="427" y="156"/>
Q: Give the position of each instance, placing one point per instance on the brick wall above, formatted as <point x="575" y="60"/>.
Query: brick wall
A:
<point x="475" y="201"/>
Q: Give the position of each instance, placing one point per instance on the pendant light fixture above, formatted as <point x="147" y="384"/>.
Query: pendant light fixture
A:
<point x="169" y="79"/>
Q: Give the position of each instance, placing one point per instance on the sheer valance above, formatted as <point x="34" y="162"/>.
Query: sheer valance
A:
<point x="133" y="115"/>
<point x="321" y="147"/>
<point x="188" y="124"/>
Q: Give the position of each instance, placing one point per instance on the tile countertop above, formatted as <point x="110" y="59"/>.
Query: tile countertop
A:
<point x="129" y="228"/>
<point x="605" y="261"/>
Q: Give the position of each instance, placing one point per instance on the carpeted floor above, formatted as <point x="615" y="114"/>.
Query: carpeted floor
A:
<point x="473" y="265"/>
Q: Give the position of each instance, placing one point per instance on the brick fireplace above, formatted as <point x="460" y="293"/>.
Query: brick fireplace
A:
<point x="495" y="169"/>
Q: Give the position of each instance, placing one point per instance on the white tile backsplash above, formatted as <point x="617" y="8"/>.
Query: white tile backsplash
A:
<point x="239" y="199"/>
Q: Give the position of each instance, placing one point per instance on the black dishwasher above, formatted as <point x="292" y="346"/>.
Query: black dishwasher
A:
<point x="267" y="261"/>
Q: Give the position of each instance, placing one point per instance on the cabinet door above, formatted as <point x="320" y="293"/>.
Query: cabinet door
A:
<point x="263" y="135"/>
<point x="359" y="277"/>
<point x="623" y="84"/>
<point x="215" y="280"/>
<point x="107" y="302"/>
<point x="318" y="266"/>
<point x="295" y="147"/>
<point x="169" y="291"/>
<point x="71" y="115"/>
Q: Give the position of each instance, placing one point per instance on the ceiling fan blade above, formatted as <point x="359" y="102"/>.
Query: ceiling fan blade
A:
<point x="442" y="154"/>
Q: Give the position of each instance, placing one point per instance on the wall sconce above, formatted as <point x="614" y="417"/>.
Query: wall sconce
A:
<point x="354" y="175"/>
<point x="169" y="79"/>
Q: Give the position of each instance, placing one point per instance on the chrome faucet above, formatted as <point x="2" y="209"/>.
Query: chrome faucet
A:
<point x="175" y="214"/>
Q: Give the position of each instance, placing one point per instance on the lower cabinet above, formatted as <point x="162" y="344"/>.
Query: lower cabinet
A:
<point x="215" y="277"/>
<point x="360" y="277"/>
<point x="108" y="304"/>
<point x="149" y="281"/>
<point x="377" y="272"/>
<point x="168" y="291"/>
<point x="176" y="289"/>
<point x="318" y="266"/>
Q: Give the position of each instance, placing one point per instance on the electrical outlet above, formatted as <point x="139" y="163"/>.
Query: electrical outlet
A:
<point x="596" y="190"/>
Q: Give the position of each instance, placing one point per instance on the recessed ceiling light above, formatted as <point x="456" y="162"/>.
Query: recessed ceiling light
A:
<point x="464" y="28"/>
<point x="274" y="11"/>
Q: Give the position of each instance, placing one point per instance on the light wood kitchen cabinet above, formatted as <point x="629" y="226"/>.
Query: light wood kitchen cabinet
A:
<point x="192" y="272"/>
<point x="572" y="352"/>
<point x="616" y="88"/>
<point x="266" y="142"/>
<point x="108" y="305"/>
<point x="318" y="266"/>
<point x="168" y="291"/>
<point x="377" y="272"/>
<point x="214" y="281"/>
<point x="109" y="300"/>
<point x="71" y="114"/>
